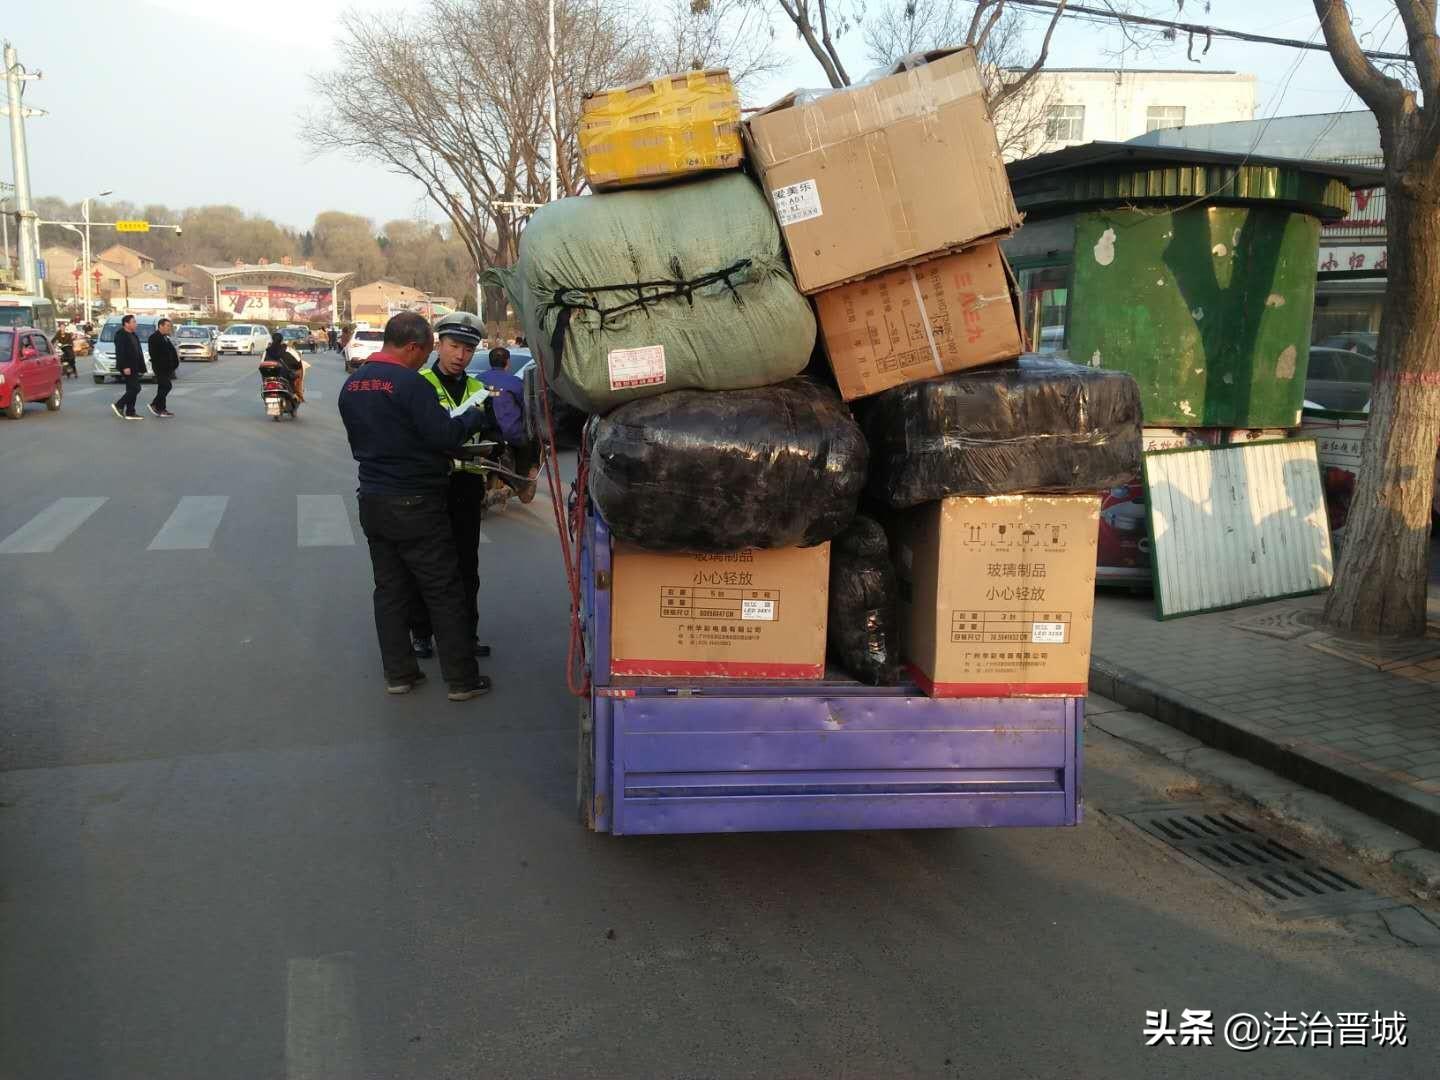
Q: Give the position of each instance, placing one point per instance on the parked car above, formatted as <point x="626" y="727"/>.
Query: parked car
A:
<point x="247" y="338"/>
<point x="1339" y="379"/>
<point x="299" y="337"/>
<point x="195" y="343"/>
<point x="363" y="343"/>
<point x="1361" y="341"/>
<point x="29" y="370"/>
<point x="103" y="364"/>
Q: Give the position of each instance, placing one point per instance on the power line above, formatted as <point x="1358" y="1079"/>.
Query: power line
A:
<point x="1194" y="29"/>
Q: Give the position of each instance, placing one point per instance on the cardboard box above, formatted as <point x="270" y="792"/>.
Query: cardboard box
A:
<point x="660" y="129"/>
<point x="997" y="594"/>
<point x="882" y="174"/>
<point x="755" y="614"/>
<point x="919" y="321"/>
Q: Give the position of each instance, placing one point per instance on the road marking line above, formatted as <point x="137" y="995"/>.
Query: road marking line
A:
<point x="181" y="391"/>
<point x="321" y="1039"/>
<point x="192" y="525"/>
<point x="225" y="391"/>
<point x="483" y="538"/>
<point x="81" y="391"/>
<point x="323" y="521"/>
<point x="48" y="529"/>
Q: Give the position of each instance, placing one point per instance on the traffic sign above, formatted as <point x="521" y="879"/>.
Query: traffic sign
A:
<point x="132" y="226"/>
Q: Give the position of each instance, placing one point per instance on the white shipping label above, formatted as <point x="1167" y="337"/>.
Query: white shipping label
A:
<point x="761" y="610"/>
<point x="1047" y="633"/>
<point x="797" y="202"/>
<point x="637" y="367"/>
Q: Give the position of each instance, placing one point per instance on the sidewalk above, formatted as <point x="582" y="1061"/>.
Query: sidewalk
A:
<point x="1267" y="683"/>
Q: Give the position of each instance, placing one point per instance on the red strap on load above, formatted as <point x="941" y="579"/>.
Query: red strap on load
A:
<point x="569" y="525"/>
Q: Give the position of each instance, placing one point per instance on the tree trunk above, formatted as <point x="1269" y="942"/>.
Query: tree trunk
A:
<point x="1380" y="585"/>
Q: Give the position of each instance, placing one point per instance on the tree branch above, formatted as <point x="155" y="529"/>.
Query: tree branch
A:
<point x="1013" y="88"/>
<point x="1383" y="94"/>
<point x="1419" y="19"/>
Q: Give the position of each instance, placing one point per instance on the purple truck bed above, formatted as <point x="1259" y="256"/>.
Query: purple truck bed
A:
<point x="733" y="755"/>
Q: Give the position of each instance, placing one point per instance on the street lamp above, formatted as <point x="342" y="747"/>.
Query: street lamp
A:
<point x="85" y="250"/>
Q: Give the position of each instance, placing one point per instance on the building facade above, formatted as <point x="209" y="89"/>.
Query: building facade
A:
<point x="126" y="259"/>
<point x="1068" y="106"/>
<point x="376" y="302"/>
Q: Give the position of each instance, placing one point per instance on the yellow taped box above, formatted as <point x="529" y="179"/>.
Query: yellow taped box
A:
<point x="661" y="129"/>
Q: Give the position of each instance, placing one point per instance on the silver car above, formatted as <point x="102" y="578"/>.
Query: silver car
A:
<point x="103" y="359"/>
<point x="194" y="343"/>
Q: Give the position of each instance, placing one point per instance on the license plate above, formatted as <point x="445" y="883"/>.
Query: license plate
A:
<point x="272" y="408"/>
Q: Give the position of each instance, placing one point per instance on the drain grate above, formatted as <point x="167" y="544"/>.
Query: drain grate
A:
<point x="1285" y="881"/>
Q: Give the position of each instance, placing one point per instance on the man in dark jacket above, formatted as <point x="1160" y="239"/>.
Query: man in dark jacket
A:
<point x="404" y="439"/>
<point x="164" y="361"/>
<point x="130" y="362"/>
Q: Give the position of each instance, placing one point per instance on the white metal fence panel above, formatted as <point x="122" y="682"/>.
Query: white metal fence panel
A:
<point x="1236" y="525"/>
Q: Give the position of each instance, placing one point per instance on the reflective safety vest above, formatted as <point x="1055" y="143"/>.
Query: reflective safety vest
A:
<point x="472" y="386"/>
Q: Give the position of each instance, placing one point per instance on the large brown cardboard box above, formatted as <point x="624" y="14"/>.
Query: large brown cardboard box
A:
<point x="755" y="614"/>
<point x="922" y="320"/>
<point x="997" y="594"/>
<point x="882" y="174"/>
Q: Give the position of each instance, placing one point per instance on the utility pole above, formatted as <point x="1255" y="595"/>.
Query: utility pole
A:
<point x="554" y="116"/>
<point x="27" y="234"/>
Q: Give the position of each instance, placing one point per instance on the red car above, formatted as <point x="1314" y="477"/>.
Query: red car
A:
<point x="29" y="370"/>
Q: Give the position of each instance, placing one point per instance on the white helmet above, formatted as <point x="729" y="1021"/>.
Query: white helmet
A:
<point x="461" y="325"/>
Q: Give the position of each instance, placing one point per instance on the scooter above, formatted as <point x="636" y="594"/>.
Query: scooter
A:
<point x="67" y="362"/>
<point x="277" y="392"/>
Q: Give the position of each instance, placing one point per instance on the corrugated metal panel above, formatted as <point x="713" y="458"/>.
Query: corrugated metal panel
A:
<point x="1236" y="525"/>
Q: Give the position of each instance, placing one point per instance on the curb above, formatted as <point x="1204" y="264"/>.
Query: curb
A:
<point x="1394" y="803"/>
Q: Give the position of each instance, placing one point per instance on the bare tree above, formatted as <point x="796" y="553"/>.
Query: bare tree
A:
<point x="818" y="23"/>
<point x="1380" y="585"/>
<point x="456" y="95"/>
<point x="1019" y="102"/>
<point x="732" y="34"/>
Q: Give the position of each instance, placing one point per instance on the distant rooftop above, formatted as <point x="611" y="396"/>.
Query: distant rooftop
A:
<point x="1124" y="71"/>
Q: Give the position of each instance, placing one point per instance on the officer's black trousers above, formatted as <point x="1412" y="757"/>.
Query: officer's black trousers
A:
<point x="413" y="555"/>
<point x="466" y="506"/>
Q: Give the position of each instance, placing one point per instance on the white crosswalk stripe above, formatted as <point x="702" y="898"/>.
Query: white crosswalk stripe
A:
<point x="224" y="391"/>
<point x="49" y="529"/>
<point x="192" y="525"/>
<point x="322" y="521"/>
<point x="82" y="391"/>
<point x="181" y="391"/>
<point x="483" y="538"/>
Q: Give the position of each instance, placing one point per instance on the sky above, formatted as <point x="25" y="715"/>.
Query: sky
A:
<point x="191" y="102"/>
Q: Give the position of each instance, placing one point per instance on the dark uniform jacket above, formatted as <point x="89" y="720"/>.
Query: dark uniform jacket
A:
<point x="128" y="353"/>
<point x="163" y="357"/>
<point x="399" y="432"/>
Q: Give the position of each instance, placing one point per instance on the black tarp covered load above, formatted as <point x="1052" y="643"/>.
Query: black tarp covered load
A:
<point x="864" y="617"/>
<point x="721" y="471"/>
<point x="1038" y="425"/>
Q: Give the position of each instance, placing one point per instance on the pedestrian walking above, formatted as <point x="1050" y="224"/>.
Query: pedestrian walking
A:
<point x="332" y="337"/>
<point x="403" y="439"/>
<point x="130" y="362"/>
<point x="457" y="336"/>
<point x="164" y="361"/>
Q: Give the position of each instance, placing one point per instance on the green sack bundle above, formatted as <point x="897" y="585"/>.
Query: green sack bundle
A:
<point x="629" y="294"/>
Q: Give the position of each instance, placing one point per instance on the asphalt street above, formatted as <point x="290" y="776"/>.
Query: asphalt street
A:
<point x="225" y="852"/>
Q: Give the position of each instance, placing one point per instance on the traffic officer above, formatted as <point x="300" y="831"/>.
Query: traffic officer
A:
<point x="403" y="440"/>
<point x="457" y="337"/>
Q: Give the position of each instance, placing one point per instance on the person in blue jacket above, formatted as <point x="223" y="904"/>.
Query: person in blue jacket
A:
<point x="404" y="439"/>
<point x="508" y="400"/>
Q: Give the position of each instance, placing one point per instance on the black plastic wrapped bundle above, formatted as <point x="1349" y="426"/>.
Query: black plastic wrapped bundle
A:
<point x="1037" y="425"/>
<point x="864" y="618"/>
<point x="720" y="471"/>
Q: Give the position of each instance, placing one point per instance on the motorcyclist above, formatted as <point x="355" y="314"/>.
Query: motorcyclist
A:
<point x="456" y="337"/>
<point x="66" y="340"/>
<point x="279" y="352"/>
